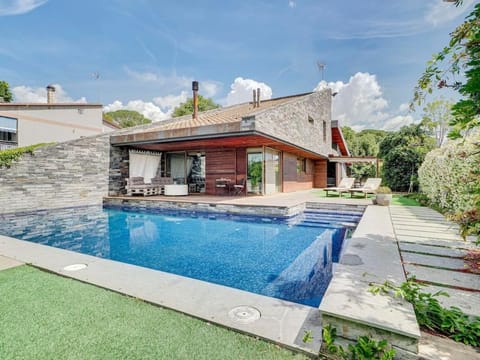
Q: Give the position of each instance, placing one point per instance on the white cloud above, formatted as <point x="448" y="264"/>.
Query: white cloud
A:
<point x="242" y="91"/>
<point x="169" y="102"/>
<point x="156" y="77"/>
<point x="160" y="108"/>
<point x="26" y="94"/>
<point x="360" y="104"/>
<point x="292" y="4"/>
<point x="147" y="109"/>
<point x="404" y="107"/>
<point x="442" y="12"/>
<point x="18" y="7"/>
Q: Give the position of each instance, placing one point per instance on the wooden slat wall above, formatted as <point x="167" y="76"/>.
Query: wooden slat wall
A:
<point x="219" y="164"/>
<point x="242" y="166"/>
<point x="320" y="174"/>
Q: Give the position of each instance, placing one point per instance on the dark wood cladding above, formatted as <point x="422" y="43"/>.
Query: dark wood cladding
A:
<point x="219" y="163"/>
<point x="292" y="180"/>
<point x="320" y="174"/>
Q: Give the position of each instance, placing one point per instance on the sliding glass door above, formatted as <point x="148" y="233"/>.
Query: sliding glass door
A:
<point x="272" y="171"/>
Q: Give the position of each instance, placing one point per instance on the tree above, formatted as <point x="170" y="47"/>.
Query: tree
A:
<point x="363" y="143"/>
<point x="186" y="108"/>
<point x="403" y="152"/>
<point x="460" y="57"/>
<point x="436" y="119"/>
<point x="5" y="92"/>
<point x="126" y="118"/>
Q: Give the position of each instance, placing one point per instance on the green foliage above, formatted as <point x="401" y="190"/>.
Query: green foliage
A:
<point x="7" y="157"/>
<point x="126" y="118"/>
<point x="363" y="143"/>
<point x="431" y="314"/>
<point x="448" y="177"/>
<point x="255" y="172"/>
<point x="460" y="57"/>
<point x="384" y="190"/>
<point x="5" y="92"/>
<point x="186" y="108"/>
<point x="364" y="349"/>
<point x="403" y="152"/>
<point x="307" y="336"/>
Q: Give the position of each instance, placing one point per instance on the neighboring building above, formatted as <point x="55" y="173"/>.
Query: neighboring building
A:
<point x="277" y="145"/>
<point x="23" y="124"/>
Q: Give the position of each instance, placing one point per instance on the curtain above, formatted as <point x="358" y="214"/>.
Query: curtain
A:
<point x="144" y="164"/>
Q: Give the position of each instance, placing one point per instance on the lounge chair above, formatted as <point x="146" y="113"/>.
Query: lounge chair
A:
<point x="344" y="186"/>
<point x="370" y="187"/>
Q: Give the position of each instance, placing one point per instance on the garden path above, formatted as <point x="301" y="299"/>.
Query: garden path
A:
<point x="433" y="251"/>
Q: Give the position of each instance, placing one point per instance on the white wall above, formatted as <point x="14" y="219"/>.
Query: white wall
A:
<point x="55" y="124"/>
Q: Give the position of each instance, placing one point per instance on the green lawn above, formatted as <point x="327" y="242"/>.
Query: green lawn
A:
<point x="397" y="199"/>
<point x="45" y="316"/>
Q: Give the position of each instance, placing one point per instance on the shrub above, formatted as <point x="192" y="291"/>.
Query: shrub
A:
<point x="447" y="175"/>
<point x="7" y="157"/>
<point x="384" y="190"/>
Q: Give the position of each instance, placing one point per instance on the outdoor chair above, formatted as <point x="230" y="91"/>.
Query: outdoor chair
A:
<point x="370" y="187"/>
<point x="239" y="188"/>
<point x="137" y="186"/>
<point x="344" y="186"/>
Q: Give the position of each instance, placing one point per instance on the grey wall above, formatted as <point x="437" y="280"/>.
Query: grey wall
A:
<point x="72" y="173"/>
<point x="289" y="122"/>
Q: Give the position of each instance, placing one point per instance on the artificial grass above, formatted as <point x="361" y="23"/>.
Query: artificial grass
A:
<point x="397" y="199"/>
<point x="45" y="316"/>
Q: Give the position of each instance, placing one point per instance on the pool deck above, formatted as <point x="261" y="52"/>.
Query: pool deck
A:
<point x="372" y="254"/>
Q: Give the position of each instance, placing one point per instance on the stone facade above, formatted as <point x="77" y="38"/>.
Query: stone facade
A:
<point x="67" y="174"/>
<point x="300" y="122"/>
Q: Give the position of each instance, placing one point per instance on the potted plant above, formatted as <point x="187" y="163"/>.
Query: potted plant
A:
<point x="255" y="176"/>
<point x="383" y="196"/>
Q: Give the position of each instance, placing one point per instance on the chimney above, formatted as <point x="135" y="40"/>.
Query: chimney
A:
<point x="50" y="94"/>
<point x="258" y="97"/>
<point x="195" y="99"/>
<point x="254" y="98"/>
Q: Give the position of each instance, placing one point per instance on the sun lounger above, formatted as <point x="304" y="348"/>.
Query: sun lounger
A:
<point x="370" y="187"/>
<point x="344" y="186"/>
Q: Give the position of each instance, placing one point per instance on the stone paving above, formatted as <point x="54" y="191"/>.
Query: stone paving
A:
<point x="433" y="251"/>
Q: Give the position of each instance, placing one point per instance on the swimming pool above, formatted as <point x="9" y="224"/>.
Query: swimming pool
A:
<point x="268" y="256"/>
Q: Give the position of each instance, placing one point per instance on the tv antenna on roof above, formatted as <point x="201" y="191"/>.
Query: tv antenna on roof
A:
<point x="321" y="66"/>
<point x="95" y="76"/>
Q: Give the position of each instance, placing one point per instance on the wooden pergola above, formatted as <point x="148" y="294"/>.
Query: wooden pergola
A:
<point x="357" y="159"/>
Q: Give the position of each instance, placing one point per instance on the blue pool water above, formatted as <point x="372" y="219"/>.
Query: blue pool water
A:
<point x="266" y="256"/>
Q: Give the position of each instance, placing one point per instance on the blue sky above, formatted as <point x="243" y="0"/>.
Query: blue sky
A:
<point x="144" y="54"/>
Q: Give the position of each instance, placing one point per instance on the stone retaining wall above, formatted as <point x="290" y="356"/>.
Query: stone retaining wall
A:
<point x="72" y="173"/>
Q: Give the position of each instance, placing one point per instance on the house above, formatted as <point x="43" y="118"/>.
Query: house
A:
<point x="276" y="145"/>
<point x="23" y="124"/>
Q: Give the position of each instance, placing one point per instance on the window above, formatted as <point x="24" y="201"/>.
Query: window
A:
<point x="324" y="131"/>
<point x="8" y="129"/>
<point x="301" y="165"/>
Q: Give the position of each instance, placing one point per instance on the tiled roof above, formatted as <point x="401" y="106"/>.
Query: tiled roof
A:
<point x="230" y="114"/>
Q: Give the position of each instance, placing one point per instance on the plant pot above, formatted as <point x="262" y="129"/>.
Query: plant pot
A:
<point x="383" y="199"/>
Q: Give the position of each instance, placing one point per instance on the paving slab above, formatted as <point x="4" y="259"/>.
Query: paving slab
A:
<point x="431" y="260"/>
<point x="433" y="250"/>
<point x="407" y="224"/>
<point x="437" y="348"/>
<point x="7" y="263"/>
<point x="436" y="241"/>
<point x="424" y="233"/>
<point x="467" y="301"/>
<point x="280" y="321"/>
<point x="445" y="229"/>
<point x="414" y="210"/>
<point x="444" y="277"/>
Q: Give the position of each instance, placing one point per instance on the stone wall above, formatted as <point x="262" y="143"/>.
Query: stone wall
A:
<point x="300" y="122"/>
<point x="67" y="174"/>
